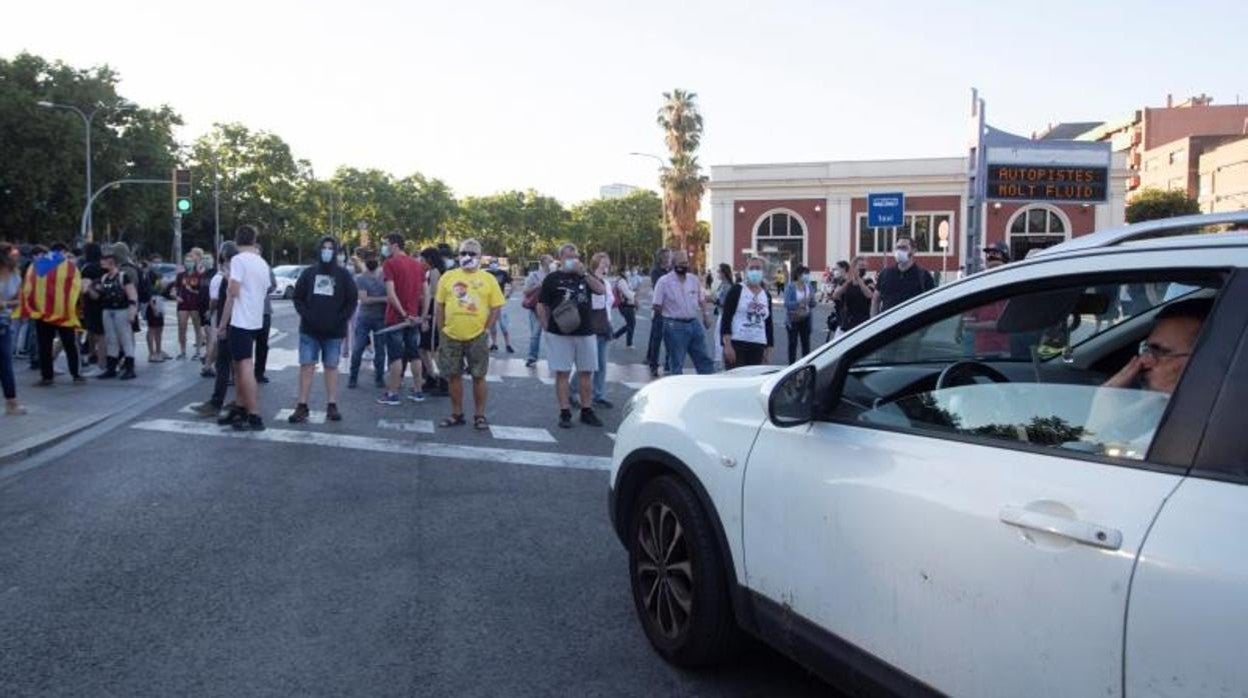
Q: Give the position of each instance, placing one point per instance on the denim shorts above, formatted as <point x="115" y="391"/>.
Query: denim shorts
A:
<point x="326" y="350"/>
<point x="403" y="345"/>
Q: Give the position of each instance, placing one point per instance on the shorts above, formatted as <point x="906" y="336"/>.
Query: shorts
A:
<point x="154" y="317"/>
<point x="93" y="319"/>
<point x="242" y="343"/>
<point x="452" y="353"/>
<point x="565" y="351"/>
<point x="402" y="345"/>
<point x="427" y="342"/>
<point x="325" y="350"/>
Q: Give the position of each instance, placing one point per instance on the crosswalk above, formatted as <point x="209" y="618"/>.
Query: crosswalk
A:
<point x="633" y="376"/>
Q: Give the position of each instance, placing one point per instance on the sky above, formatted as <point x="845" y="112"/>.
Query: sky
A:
<point x="553" y="95"/>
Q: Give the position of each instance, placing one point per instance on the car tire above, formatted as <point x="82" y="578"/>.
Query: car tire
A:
<point x="681" y="595"/>
<point x="288" y="293"/>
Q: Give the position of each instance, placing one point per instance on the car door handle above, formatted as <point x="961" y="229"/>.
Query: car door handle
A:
<point x="1074" y="529"/>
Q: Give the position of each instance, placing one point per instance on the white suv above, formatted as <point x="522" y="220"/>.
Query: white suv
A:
<point x="949" y="499"/>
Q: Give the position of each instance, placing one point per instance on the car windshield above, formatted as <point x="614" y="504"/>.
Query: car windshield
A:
<point x="287" y="272"/>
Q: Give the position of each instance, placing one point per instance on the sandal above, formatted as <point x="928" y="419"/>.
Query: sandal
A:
<point x="479" y="423"/>
<point x="454" y="420"/>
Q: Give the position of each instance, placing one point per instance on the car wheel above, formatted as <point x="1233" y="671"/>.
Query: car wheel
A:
<point x="288" y="293"/>
<point x="679" y="585"/>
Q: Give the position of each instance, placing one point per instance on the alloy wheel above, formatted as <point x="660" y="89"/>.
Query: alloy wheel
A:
<point x="664" y="570"/>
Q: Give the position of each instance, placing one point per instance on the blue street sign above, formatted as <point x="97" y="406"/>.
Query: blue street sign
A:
<point x="886" y="210"/>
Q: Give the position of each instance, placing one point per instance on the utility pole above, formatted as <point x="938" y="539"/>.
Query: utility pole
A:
<point x="216" y="210"/>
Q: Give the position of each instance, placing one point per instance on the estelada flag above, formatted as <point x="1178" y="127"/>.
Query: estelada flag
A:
<point x="50" y="291"/>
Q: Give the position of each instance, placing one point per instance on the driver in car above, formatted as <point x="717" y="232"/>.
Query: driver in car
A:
<point x="1123" y="421"/>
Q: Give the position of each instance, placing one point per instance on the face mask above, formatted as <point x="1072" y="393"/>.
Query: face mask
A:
<point x="902" y="256"/>
<point x="554" y="266"/>
<point x="682" y="269"/>
<point x="468" y="262"/>
<point x="754" y="276"/>
<point x="342" y="259"/>
<point x="385" y="250"/>
<point x="569" y="264"/>
<point x="190" y="266"/>
<point x="805" y="278"/>
<point x="327" y="256"/>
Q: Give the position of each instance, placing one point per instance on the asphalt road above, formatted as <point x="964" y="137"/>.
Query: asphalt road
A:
<point x="163" y="556"/>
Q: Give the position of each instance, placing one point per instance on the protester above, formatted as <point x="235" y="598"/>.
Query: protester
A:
<point x="681" y="301"/>
<point x="723" y="283"/>
<point x="564" y="307"/>
<point x="325" y="299"/>
<point x="10" y="287"/>
<point x="627" y="296"/>
<point x="533" y="289"/>
<point x="372" y="317"/>
<point x="900" y="283"/>
<point x="745" y="326"/>
<point x="266" y="328"/>
<point x="799" y="305"/>
<point x="405" y="288"/>
<point x="151" y="299"/>
<point x="205" y="321"/>
<point x="50" y="299"/>
<point x="467" y="304"/>
<point x="662" y="265"/>
<point x="504" y="283"/>
<point x="855" y="296"/>
<point x="434" y="265"/>
<point x="600" y="322"/>
<point x="244" y="307"/>
<point x="119" y="300"/>
<point x="186" y="287"/>
<point x="218" y="289"/>
<point x="981" y="321"/>
<point x="92" y="313"/>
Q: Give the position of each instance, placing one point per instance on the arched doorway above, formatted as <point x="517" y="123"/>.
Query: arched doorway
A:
<point x="1036" y="227"/>
<point x="780" y="238"/>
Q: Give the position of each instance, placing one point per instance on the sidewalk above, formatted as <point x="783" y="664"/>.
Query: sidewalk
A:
<point x="58" y="412"/>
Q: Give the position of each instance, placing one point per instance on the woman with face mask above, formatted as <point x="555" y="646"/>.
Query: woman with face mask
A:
<point x="799" y="303"/>
<point x="745" y="327"/>
<point x="186" y="287"/>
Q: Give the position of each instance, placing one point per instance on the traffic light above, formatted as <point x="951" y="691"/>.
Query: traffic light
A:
<point x="181" y="190"/>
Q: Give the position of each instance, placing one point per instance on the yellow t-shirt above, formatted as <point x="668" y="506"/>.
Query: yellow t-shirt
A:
<point x="466" y="300"/>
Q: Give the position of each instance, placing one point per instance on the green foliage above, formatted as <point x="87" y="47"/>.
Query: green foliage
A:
<point x="630" y="229"/>
<point x="1152" y="203"/>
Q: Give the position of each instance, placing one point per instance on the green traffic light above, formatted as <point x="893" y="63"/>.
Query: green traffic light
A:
<point x="184" y="205"/>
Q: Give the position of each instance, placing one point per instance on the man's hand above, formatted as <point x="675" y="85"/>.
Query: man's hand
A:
<point x="1126" y="377"/>
<point x="730" y="354"/>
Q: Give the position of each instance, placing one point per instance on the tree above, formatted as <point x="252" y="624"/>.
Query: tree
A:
<point x="1153" y="203"/>
<point x="519" y="225"/>
<point x="628" y="228"/>
<point x="683" y="182"/>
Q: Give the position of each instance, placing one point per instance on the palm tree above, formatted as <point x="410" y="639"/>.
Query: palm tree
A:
<point x="683" y="182"/>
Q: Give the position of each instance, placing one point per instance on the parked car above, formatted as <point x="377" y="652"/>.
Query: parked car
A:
<point x="950" y="499"/>
<point x="167" y="272"/>
<point x="286" y="275"/>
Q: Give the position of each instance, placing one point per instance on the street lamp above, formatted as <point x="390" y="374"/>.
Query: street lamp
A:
<point x="86" y="122"/>
<point x="662" y="162"/>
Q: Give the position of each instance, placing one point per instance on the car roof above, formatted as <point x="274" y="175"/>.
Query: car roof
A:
<point x="1179" y="231"/>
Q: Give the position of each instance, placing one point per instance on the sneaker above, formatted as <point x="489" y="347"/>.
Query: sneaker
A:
<point x="251" y="423"/>
<point x="206" y="409"/>
<point x="196" y="357"/>
<point x="353" y="383"/>
<point x="80" y="380"/>
<point x="510" y="350"/>
<point x="45" y="383"/>
<point x="300" y="415"/>
<point x="416" y="396"/>
<point x="182" y="356"/>
<point x="208" y="373"/>
<point x="604" y="404"/>
<point x="110" y="373"/>
<point x="654" y="371"/>
<point x="233" y="415"/>
<point x="565" y="419"/>
<point x="493" y="347"/>
<point x="332" y="413"/>
<point x="588" y="417"/>
<point x="389" y="399"/>
<point x="530" y="363"/>
<point x="262" y="380"/>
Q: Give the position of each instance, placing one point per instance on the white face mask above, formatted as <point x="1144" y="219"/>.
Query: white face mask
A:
<point x="554" y="266"/>
<point x="468" y="262"/>
<point x="902" y="256"/>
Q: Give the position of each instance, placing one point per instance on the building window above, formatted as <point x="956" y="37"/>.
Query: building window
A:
<point x="922" y="226"/>
<point x="780" y="238"/>
<point x="1035" y="227"/>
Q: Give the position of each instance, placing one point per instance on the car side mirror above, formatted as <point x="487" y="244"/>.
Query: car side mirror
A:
<point x="792" y="401"/>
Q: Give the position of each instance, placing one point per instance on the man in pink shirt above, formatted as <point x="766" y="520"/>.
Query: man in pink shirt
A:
<point x="680" y="300"/>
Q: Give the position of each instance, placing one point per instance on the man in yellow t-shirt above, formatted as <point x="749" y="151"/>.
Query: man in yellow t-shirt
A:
<point x="467" y="304"/>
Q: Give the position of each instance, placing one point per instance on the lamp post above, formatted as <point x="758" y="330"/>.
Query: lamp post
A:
<point x="86" y="122"/>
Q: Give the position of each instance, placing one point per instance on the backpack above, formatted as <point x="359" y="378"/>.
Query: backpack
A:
<point x="113" y="293"/>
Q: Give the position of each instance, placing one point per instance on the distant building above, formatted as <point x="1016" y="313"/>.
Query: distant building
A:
<point x="616" y="191"/>
<point x="1222" y="177"/>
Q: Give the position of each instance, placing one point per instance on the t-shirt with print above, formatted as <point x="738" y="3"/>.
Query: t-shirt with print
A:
<point x="408" y="276"/>
<point x="749" y="321"/>
<point x="252" y="274"/>
<point x="467" y="298"/>
<point x="560" y="286"/>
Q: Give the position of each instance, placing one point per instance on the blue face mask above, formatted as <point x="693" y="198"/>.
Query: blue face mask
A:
<point x="569" y="264"/>
<point x="385" y="250"/>
<point x="327" y="256"/>
<point x="754" y="276"/>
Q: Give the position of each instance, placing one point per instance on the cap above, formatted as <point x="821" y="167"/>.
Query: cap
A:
<point x="1000" y="248"/>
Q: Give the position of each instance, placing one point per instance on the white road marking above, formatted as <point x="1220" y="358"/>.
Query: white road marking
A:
<point x="634" y="386"/>
<point x="189" y="409"/>
<point x="419" y="426"/>
<point x="546" y="380"/>
<point x="484" y="454"/>
<point x="314" y="416"/>
<point x="491" y="378"/>
<point x="611" y="435"/>
<point x="522" y="434"/>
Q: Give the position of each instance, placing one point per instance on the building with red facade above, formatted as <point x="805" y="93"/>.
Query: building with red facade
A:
<point x="816" y="213"/>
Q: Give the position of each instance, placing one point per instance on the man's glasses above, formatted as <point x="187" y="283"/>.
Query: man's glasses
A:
<point x="1159" y="352"/>
<point x="467" y="253"/>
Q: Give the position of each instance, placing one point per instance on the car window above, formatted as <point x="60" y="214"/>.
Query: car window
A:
<point x="1010" y="369"/>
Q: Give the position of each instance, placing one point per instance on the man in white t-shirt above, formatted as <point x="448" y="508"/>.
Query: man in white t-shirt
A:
<point x="244" y="313"/>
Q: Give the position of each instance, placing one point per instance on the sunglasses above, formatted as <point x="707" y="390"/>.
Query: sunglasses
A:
<point x="467" y="253"/>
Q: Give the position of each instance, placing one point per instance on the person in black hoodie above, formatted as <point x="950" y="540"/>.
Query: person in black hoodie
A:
<point x="325" y="298"/>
